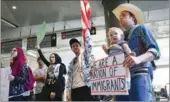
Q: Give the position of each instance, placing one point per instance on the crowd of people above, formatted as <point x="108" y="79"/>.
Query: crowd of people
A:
<point x="133" y="39"/>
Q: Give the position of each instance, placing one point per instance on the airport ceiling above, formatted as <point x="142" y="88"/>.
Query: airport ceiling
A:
<point x="30" y="12"/>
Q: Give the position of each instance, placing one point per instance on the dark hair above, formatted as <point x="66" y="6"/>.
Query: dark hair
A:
<point x="64" y="68"/>
<point x="74" y="40"/>
<point x="57" y="58"/>
<point x="132" y="15"/>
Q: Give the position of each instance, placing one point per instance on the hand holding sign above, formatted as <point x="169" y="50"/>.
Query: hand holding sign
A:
<point x="41" y="33"/>
<point x="130" y="61"/>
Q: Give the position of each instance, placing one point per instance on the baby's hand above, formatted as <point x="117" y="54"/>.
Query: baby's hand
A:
<point x="105" y="48"/>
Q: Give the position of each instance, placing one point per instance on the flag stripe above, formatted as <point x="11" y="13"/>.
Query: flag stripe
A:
<point x="85" y="13"/>
<point x="85" y="21"/>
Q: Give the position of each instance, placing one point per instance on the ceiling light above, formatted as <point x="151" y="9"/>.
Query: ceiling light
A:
<point x="14" y="7"/>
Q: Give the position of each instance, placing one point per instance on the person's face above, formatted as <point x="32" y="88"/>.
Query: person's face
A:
<point x="75" y="48"/>
<point x="125" y="19"/>
<point x="40" y="63"/>
<point x="52" y="58"/>
<point x="114" y="35"/>
<point x="14" y="53"/>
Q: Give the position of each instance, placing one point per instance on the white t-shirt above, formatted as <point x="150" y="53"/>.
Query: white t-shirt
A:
<point x="39" y="84"/>
<point x="77" y="78"/>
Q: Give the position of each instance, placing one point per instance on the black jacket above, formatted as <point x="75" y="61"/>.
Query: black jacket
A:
<point x="59" y="85"/>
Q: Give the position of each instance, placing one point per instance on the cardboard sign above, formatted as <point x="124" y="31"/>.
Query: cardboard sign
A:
<point x="109" y="77"/>
<point x="4" y="84"/>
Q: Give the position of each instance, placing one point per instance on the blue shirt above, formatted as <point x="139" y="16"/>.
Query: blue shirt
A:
<point x="141" y="40"/>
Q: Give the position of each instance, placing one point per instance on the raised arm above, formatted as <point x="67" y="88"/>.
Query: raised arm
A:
<point x="43" y="58"/>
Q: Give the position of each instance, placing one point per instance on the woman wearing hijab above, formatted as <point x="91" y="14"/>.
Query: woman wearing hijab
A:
<point x="55" y="81"/>
<point x="18" y="74"/>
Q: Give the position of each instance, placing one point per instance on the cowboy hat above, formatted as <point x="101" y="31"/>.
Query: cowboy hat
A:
<point x="131" y="8"/>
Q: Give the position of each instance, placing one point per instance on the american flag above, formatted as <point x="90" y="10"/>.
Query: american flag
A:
<point x="86" y="25"/>
<point x="85" y="11"/>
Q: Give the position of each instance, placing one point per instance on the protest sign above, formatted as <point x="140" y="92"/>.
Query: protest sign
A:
<point x="109" y="77"/>
<point x="4" y="84"/>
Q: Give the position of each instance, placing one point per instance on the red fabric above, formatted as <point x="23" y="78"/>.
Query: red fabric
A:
<point x="85" y="16"/>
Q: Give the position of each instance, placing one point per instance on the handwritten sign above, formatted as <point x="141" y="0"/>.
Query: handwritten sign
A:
<point x="109" y="77"/>
<point x="4" y="84"/>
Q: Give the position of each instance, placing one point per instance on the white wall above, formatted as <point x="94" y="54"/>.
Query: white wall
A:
<point x="161" y="77"/>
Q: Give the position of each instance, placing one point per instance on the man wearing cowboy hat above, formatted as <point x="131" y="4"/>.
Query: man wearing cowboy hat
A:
<point x="140" y="41"/>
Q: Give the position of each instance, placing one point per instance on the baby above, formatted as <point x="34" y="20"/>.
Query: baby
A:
<point x="118" y="45"/>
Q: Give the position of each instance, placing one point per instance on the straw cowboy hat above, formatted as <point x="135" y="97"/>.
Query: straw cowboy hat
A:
<point x="131" y="8"/>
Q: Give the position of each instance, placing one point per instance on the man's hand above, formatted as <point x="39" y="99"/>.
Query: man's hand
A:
<point x="68" y="97"/>
<point x="130" y="61"/>
<point x="132" y="54"/>
<point x="52" y="95"/>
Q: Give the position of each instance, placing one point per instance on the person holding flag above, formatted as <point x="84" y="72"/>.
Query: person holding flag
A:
<point x="78" y="83"/>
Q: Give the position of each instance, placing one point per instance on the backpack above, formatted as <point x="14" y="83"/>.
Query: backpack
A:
<point x="29" y="83"/>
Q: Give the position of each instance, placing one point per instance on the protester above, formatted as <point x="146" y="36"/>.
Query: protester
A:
<point x="18" y="75"/>
<point x="142" y="42"/>
<point x="39" y="77"/>
<point x="77" y="86"/>
<point x="55" y="81"/>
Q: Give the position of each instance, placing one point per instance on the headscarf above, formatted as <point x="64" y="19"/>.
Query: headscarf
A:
<point x="57" y="58"/>
<point x="59" y="61"/>
<point x="18" y="62"/>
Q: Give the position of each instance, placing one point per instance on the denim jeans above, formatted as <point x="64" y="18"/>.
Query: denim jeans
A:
<point x="141" y="88"/>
